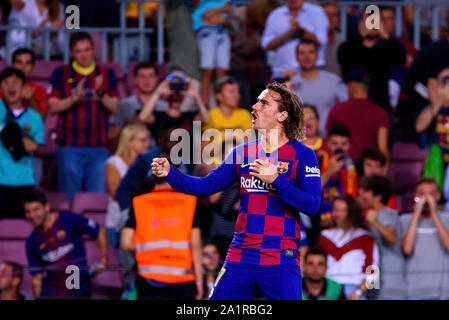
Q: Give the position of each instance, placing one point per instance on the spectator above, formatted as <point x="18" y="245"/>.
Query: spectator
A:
<point x="227" y="114"/>
<point x="57" y="242"/>
<point x="180" y="264"/>
<point x="181" y="38"/>
<point x="134" y="140"/>
<point x="310" y="81"/>
<point x="211" y="264"/>
<point x="425" y="243"/>
<point x="350" y="247"/>
<point x="374" y="51"/>
<point x="374" y="193"/>
<point x="334" y="37"/>
<point x="315" y="285"/>
<point x="145" y="80"/>
<point x="34" y="95"/>
<point x="286" y="26"/>
<point x="11" y="274"/>
<point x="174" y="89"/>
<point x="436" y="115"/>
<point x="373" y="163"/>
<point x="428" y="64"/>
<point x="246" y="53"/>
<point x="37" y="13"/>
<point x="367" y="121"/>
<point x="338" y="172"/>
<point x="83" y="95"/>
<point x="209" y="19"/>
<point x="313" y="140"/>
<point x="387" y="16"/>
<point x="22" y="135"/>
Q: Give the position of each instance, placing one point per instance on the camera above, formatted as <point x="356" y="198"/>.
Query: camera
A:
<point x="180" y="85"/>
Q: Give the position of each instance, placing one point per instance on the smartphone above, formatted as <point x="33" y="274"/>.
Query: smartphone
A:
<point x="179" y="86"/>
<point x="340" y="154"/>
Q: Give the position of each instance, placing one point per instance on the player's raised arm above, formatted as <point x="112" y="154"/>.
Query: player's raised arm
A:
<point x="221" y="177"/>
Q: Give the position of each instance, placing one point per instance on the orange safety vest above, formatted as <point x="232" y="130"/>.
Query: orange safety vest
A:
<point x="162" y="237"/>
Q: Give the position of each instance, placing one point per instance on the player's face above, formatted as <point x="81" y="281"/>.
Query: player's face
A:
<point x="340" y="213"/>
<point x="211" y="257"/>
<point x="83" y="53"/>
<point x="366" y="198"/>
<point x="311" y="122"/>
<point x="315" y="267"/>
<point x="36" y="213"/>
<point x="266" y="114"/>
<point x="372" y="167"/>
<point x="12" y="88"/>
<point x="338" y="142"/>
<point x="229" y="95"/>
<point x="307" y="56"/>
<point x="24" y="62"/>
<point x="146" y="80"/>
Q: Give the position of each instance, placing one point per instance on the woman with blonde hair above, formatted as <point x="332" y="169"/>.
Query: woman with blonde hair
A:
<point x="134" y="139"/>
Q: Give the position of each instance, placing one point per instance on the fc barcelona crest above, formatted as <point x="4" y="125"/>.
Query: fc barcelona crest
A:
<point x="282" y="167"/>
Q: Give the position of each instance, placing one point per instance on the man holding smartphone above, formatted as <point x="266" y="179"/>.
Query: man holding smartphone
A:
<point x="174" y="89"/>
<point x="437" y="113"/>
<point x="338" y="171"/>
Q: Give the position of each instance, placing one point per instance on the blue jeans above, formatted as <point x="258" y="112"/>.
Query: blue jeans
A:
<point x="81" y="169"/>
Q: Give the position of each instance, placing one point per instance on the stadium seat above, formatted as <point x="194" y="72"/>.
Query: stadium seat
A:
<point x="58" y="201"/>
<point x="42" y="71"/>
<point x="91" y="205"/>
<point x="406" y="165"/>
<point x="110" y="282"/>
<point x="13" y="235"/>
<point x="90" y="202"/>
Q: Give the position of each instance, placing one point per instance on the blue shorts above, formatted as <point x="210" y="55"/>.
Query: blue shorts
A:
<point x="214" y="45"/>
<point x="237" y="281"/>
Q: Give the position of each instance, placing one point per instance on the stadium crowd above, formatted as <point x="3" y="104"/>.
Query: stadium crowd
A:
<point x="76" y="150"/>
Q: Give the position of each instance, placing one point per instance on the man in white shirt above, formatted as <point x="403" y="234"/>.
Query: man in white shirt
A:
<point x="286" y="26"/>
<point x="309" y="82"/>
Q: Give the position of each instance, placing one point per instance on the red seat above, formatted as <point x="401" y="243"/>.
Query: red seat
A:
<point x="90" y="202"/>
<point x="43" y="69"/>
<point x="3" y="64"/>
<point x="15" y="229"/>
<point x="58" y="201"/>
<point x="406" y="166"/>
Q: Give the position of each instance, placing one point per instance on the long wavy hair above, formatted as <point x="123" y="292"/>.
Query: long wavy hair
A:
<point x="294" y="127"/>
<point x="355" y="213"/>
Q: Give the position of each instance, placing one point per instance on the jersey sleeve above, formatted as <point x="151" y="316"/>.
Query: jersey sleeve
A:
<point x="306" y="197"/>
<point x="85" y="226"/>
<point x="221" y="177"/>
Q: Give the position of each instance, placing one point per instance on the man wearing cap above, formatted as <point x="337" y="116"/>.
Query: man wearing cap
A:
<point x="367" y="121"/>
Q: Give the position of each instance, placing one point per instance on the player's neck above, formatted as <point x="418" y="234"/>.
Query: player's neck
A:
<point x="51" y="218"/>
<point x="273" y="140"/>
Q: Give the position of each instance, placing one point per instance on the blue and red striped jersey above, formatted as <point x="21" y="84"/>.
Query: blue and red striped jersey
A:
<point x="86" y="124"/>
<point x="267" y="230"/>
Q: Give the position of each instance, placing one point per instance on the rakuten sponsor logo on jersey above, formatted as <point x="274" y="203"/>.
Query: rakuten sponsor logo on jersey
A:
<point x="253" y="184"/>
<point x="312" y="171"/>
<point x="57" y="254"/>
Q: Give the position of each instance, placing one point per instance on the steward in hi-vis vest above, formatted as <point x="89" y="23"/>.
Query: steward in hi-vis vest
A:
<point x="164" y="233"/>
